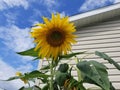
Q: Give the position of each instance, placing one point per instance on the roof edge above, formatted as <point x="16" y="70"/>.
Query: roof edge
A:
<point x="94" y="12"/>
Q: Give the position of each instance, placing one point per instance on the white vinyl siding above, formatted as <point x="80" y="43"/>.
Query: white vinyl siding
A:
<point x="104" y="37"/>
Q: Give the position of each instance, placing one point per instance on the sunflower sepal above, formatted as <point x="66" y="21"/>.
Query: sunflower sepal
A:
<point x="70" y="55"/>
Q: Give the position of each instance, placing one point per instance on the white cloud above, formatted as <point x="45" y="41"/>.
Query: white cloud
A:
<point x="92" y="4"/>
<point x="50" y="4"/>
<point x="116" y="1"/>
<point x="15" y="38"/>
<point x="36" y="13"/>
<point x="7" y="71"/>
<point x="4" y="4"/>
<point x="10" y="17"/>
<point x="62" y="14"/>
<point x="25" y="68"/>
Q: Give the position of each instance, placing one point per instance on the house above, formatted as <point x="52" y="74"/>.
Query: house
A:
<point x="99" y="30"/>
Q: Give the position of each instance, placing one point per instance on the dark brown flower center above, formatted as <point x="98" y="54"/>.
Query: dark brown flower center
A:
<point x="55" y="38"/>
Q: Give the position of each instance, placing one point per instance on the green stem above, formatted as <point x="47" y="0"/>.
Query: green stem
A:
<point x="78" y="72"/>
<point x="51" y="80"/>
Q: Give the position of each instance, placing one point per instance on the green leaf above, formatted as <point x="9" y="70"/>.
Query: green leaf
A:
<point x="36" y="88"/>
<point x="37" y="58"/>
<point x="106" y="57"/>
<point x="74" y="83"/>
<point x="29" y="52"/>
<point x="36" y="74"/>
<point x="24" y="88"/>
<point x="63" y="67"/>
<point x="70" y="55"/>
<point x="30" y="88"/>
<point x="81" y="86"/>
<point x="96" y="72"/>
<point x="14" y="78"/>
<point x="46" y="87"/>
<point x="45" y="67"/>
<point x="31" y="75"/>
<point x="44" y="80"/>
<point x="61" y="77"/>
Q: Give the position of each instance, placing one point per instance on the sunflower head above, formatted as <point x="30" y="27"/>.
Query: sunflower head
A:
<point x="54" y="37"/>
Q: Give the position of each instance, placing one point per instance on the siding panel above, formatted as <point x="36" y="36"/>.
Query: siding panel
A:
<point x="104" y="37"/>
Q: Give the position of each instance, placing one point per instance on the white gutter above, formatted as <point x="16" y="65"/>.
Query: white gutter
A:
<point x="105" y="12"/>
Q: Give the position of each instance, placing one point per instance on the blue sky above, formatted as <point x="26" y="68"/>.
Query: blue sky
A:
<point x="16" y="18"/>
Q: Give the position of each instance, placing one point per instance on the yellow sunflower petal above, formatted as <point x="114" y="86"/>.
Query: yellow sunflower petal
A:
<point x="53" y="19"/>
<point x="18" y="73"/>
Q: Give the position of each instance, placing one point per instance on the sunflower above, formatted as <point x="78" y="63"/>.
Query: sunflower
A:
<point x="54" y="37"/>
<point x="23" y="79"/>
